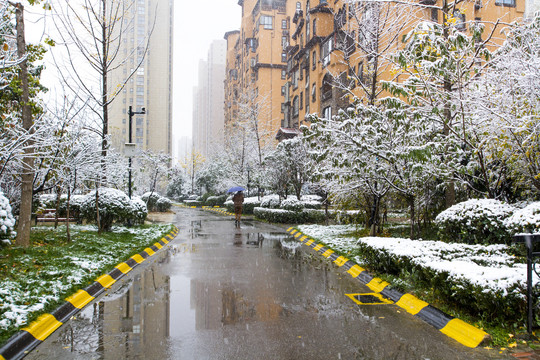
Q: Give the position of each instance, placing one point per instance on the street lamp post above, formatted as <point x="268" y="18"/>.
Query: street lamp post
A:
<point x="131" y="113"/>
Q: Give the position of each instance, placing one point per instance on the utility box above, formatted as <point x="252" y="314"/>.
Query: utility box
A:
<point x="130" y="150"/>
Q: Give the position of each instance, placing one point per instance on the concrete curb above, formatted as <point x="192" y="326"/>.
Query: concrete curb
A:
<point x="20" y="344"/>
<point x="457" y="329"/>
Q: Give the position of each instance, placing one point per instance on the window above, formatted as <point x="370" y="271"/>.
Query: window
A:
<point x="140" y="90"/>
<point x="301" y="100"/>
<point x="327" y="48"/>
<point x="283" y="74"/>
<point x="323" y="2"/>
<point x="460" y="20"/>
<point x="295" y="79"/>
<point x="361" y="71"/>
<point x="435" y="15"/>
<point x="313" y="93"/>
<point x="283" y="90"/>
<point x="295" y="106"/>
<point x="327" y="113"/>
<point x="298" y="5"/>
<point x="284" y="42"/>
<point x="139" y="121"/>
<point x="283" y="57"/>
<point x="314" y="27"/>
<point x="284" y="24"/>
<point x="266" y="21"/>
<point x="307" y="30"/>
<point x="140" y="71"/>
<point x="510" y="3"/>
<point x="314" y="59"/>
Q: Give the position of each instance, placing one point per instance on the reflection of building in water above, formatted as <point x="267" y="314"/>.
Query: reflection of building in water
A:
<point x="217" y="304"/>
<point x="134" y="323"/>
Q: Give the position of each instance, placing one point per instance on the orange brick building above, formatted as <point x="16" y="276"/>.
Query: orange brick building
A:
<point x="294" y="58"/>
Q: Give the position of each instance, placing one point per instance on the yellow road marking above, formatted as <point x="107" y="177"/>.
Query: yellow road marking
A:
<point x="464" y="333"/>
<point x="124" y="268"/>
<point x="309" y="242"/>
<point x="138" y="258"/>
<point x="355" y="271"/>
<point x="44" y="326"/>
<point x="106" y="281"/>
<point x="327" y="253"/>
<point x="149" y="251"/>
<point x="158" y="245"/>
<point x="340" y="261"/>
<point x="382" y="300"/>
<point x="411" y="303"/>
<point x="377" y="284"/>
<point x="303" y="238"/>
<point x="80" y="299"/>
<point x="318" y="247"/>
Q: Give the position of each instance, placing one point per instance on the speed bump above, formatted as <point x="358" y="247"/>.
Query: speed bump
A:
<point x="456" y="329"/>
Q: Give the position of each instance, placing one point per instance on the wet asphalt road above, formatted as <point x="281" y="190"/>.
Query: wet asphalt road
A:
<point x="218" y="292"/>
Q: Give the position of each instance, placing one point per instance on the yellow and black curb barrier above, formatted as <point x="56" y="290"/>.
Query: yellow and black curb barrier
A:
<point x="218" y="210"/>
<point x="20" y="344"/>
<point x="457" y="329"/>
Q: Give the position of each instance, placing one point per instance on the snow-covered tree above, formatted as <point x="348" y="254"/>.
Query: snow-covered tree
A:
<point x="505" y="105"/>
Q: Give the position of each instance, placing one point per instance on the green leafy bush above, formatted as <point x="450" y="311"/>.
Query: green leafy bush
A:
<point x="475" y="222"/>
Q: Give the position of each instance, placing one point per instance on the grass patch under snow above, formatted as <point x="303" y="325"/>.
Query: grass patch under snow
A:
<point x="37" y="279"/>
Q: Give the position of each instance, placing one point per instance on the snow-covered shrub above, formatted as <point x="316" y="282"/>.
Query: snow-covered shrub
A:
<point x="216" y="200"/>
<point x="151" y="199"/>
<point x="526" y="220"/>
<point x="163" y="204"/>
<point x="114" y="205"/>
<point x="250" y="204"/>
<point x="270" y="201"/>
<point x="156" y="202"/>
<point x="292" y="204"/>
<point x="289" y="217"/>
<point x="346" y="217"/>
<point x="139" y="210"/>
<point x="74" y="205"/>
<point x="7" y="222"/>
<point x="475" y="222"/>
<point x="47" y="201"/>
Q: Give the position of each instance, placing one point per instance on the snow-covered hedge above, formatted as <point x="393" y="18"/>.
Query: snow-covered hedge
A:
<point x="7" y="222"/>
<point x="250" y="203"/>
<point x="114" y="206"/>
<point x="139" y="210"/>
<point x="526" y="220"/>
<point x="156" y="202"/>
<point x="216" y="200"/>
<point x="270" y="201"/>
<point x="475" y="222"/>
<point x="292" y="204"/>
<point x="283" y="216"/>
<point x="485" y="280"/>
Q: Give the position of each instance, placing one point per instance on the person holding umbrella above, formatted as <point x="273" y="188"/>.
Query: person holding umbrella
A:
<point x="238" y="201"/>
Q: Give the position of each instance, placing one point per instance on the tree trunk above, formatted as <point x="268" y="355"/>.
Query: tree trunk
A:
<point x="27" y="177"/>
<point x="98" y="220"/>
<point x="413" y="216"/>
<point x="57" y="207"/>
<point x="68" y="212"/>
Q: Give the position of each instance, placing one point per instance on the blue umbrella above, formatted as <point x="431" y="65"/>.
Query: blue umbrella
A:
<point x="235" y="189"/>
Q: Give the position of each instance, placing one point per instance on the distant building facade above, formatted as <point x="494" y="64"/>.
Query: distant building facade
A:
<point x="208" y="98"/>
<point x="150" y="86"/>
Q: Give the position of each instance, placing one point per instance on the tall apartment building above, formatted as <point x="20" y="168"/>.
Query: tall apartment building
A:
<point x="208" y="97"/>
<point x="256" y="65"/>
<point x="316" y="52"/>
<point x="150" y="87"/>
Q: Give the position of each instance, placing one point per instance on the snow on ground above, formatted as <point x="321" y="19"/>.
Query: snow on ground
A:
<point x="488" y="266"/>
<point x="32" y="292"/>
